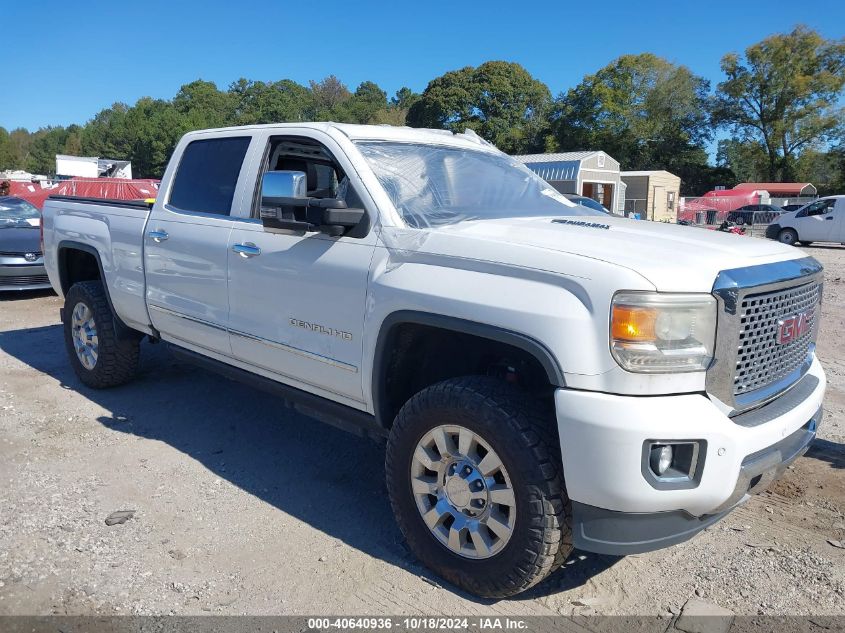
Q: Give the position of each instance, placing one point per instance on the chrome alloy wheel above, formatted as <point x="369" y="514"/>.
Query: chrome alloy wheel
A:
<point x="463" y="492"/>
<point x="84" y="332"/>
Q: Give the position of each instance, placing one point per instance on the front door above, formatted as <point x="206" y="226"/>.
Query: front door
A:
<point x="297" y="300"/>
<point x="185" y="246"/>
<point x="817" y="222"/>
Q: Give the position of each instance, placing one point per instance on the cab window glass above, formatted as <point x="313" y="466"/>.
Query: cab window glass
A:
<point x="324" y="176"/>
<point x="208" y="174"/>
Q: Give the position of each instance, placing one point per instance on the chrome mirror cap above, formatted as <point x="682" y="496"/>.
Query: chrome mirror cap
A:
<point x="277" y="185"/>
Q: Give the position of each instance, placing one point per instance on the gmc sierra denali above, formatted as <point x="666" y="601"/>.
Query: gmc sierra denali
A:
<point x="545" y="376"/>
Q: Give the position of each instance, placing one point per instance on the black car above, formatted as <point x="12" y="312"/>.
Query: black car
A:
<point x="754" y="214"/>
<point x="794" y="207"/>
<point x="21" y="261"/>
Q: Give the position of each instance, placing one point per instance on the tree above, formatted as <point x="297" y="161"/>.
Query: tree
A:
<point x="273" y="102"/>
<point x="363" y="106"/>
<point x="404" y="98"/>
<point x="746" y="159"/>
<point x="500" y="101"/>
<point x="204" y="106"/>
<point x="783" y="95"/>
<point x="107" y="134"/>
<point x="641" y="109"/>
<point x="328" y="95"/>
<point x="8" y="156"/>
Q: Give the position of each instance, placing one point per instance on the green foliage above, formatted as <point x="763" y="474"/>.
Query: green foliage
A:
<point x="258" y="102"/>
<point x="641" y="109"/>
<point x="500" y="101"/>
<point x="783" y="95"/>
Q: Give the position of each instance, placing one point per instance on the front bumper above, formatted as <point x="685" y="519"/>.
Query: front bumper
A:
<point x="772" y="231"/>
<point x="617" y="510"/>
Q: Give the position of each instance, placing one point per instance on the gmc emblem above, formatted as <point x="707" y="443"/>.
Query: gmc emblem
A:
<point x="794" y="326"/>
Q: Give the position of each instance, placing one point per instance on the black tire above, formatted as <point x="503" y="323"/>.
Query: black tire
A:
<point x="117" y="357"/>
<point x="788" y="236"/>
<point x="524" y="435"/>
<point x="739" y="220"/>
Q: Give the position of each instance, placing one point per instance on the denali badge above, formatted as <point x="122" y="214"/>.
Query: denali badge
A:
<point x="794" y="326"/>
<point x="321" y="329"/>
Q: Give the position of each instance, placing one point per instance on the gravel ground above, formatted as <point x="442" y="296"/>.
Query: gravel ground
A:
<point x="240" y="506"/>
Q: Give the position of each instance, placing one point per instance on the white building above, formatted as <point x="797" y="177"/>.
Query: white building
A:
<point x="92" y="167"/>
<point x="593" y="174"/>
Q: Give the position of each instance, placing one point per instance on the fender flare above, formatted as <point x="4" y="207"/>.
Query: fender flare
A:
<point x="121" y="329"/>
<point x="540" y="352"/>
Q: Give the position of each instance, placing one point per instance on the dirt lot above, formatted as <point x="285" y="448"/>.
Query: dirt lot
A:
<point x="242" y="507"/>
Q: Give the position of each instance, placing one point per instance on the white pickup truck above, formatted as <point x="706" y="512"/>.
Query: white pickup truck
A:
<point x="546" y="376"/>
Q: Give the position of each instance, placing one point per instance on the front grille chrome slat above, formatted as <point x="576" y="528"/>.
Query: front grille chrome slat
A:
<point x="750" y="366"/>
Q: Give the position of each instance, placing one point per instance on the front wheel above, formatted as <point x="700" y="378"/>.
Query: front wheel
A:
<point x="475" y="481"/>
<point x="100" y="358"/>
<point x="788" y="236"/>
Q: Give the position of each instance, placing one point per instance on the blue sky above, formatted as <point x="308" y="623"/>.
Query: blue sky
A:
<point x="62" y="64"/>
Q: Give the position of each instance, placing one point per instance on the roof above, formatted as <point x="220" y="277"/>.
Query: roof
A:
<point x="556" y="158"/>
<point x="648" y="172"/>
<point x="778" y="187"/>
<point x="468" y="139"/>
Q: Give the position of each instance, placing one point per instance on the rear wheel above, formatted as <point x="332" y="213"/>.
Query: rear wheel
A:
<point x="788" y="236"/>
<point x="475" y="481"/>
<point x="99" y="357"/>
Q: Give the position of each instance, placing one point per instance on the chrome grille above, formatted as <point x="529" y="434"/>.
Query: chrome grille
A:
<point x="761" y="361"/>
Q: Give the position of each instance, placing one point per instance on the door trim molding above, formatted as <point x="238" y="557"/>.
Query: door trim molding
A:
<point x="270" y="343"/>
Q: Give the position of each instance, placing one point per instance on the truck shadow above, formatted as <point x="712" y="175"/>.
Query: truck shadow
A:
<point x="827" y="451"/>
<point x="323" y="476"/>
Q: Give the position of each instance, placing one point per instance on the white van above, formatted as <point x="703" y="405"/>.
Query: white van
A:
<point x="822" y="220"/>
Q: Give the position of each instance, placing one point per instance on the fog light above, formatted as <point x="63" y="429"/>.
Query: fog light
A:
<point x="661" y="458"/>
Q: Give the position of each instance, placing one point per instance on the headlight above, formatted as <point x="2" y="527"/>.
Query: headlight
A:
<point x="651" y="332"/>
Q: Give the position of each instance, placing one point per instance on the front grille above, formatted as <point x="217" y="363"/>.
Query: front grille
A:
<point x="761" y="361"/>
<point x="23" y="280"/>
<point x="16" y="254"/>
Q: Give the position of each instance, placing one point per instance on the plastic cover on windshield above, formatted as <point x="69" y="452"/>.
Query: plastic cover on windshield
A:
<point x="436" y="185"/>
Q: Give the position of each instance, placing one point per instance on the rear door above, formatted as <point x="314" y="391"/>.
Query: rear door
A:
<point x="297" y="300"/>
<point x="185" y="244"/>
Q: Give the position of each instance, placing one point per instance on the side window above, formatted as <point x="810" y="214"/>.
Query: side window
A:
<point x="207" y="175"/>
<point x="325" y="178"/>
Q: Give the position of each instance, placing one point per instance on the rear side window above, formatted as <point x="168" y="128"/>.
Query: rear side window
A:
<point x="208" y="174"/>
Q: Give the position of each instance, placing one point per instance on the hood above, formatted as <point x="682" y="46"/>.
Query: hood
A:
<point x="674" y="258"/>
<point x="20" y="240"/>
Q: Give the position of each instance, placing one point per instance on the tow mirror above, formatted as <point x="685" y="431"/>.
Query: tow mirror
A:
<point x="280" y="188"/>
<point x="285" y="207"/>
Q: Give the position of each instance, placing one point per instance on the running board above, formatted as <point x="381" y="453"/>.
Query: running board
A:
<point x="340" y="416"/>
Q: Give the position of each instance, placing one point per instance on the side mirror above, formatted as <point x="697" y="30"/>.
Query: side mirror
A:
<point x="286" y="207"/>
<point x="280" y="188"/>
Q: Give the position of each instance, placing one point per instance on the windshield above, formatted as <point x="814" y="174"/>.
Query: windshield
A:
<point x="18" y="212"/>
<point x="589" y="202"/>
<point x="432" y="185"/>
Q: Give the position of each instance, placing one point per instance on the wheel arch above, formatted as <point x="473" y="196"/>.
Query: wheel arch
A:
<point x="385" y="409"/>
<point x="67" y="278"/>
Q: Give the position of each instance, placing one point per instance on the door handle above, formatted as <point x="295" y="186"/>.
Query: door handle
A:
<point x="247" y="249"/>
<point x="158" y="236"/>
<point x="830" y="217"/>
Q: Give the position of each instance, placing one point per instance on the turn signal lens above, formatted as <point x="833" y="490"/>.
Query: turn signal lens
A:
<point x="633" y="324"/>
